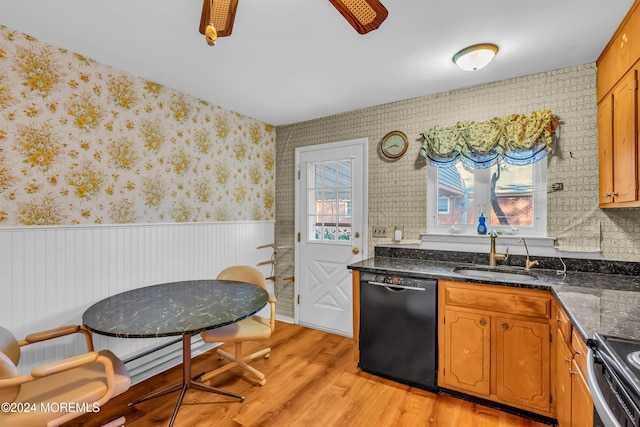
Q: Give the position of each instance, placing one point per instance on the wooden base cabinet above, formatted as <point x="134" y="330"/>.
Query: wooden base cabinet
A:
<point x="495" y="344"/>
<point x="573" y="399"/>
<point x="581" y="400"/>
<point x="563" y="384"/>
<point x="522" y="362"/>
<point x="468" y="355"/>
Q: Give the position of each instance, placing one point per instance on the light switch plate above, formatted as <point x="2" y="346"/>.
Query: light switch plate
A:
<point x="379" y="231"/>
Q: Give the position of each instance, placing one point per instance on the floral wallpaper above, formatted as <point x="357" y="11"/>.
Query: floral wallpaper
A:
<point x="84" y="143"/>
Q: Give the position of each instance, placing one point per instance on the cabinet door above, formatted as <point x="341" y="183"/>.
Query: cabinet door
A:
<point x="563" y="383"/>
<point x="624" y="139"/>
<point x="522" y="362"/>
<point x="605" y="151"/>
<point x="467" y="351"/>
<point x="581" y="400"/>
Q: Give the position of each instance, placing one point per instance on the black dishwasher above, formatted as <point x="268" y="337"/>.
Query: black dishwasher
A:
<point x="398" y="328"/>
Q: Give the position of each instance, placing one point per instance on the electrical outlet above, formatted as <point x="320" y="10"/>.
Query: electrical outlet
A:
<point x="379" y="231"/>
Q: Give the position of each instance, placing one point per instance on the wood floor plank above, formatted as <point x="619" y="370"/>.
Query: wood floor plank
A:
<point x="416" y="408"/>
<point x="311" y="381"/>
<point x="320" y="387"/>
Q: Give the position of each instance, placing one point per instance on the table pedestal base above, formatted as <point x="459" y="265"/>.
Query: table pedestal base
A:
<point x="187" y="382"/>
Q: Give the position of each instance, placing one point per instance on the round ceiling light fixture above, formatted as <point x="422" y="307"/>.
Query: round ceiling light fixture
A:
<point x="474" y="57"/>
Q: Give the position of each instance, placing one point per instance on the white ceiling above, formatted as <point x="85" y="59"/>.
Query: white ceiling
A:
<point x="294" y="60"/>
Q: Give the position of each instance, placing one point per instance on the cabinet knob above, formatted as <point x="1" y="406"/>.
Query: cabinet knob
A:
<point x="607" y="195"/>
<point x="483" y="322"/>
<point x="505" y="326"/>
<point x="567" y="360"/>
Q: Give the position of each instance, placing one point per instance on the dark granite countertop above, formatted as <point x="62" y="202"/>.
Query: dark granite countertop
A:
<point x="606" y="303"/>
<point x="177" y="308"/>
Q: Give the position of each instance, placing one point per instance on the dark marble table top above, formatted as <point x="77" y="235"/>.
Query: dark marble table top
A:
<point x="605" y="303"/>
<point x="177" y="308"/>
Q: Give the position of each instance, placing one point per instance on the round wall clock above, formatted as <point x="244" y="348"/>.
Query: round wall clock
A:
<point x="394" y="144"/>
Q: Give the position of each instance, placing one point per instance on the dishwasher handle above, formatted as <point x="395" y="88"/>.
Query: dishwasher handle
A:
<point x="391" y="286"/>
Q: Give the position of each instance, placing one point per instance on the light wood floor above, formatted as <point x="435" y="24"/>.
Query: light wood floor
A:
<point x="311" y="381"/>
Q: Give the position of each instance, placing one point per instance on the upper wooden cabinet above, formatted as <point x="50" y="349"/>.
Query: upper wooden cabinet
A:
<point x="618" y="143"/>
<point x="605" y="150"/>
<point x="618" y="116"/>
<point x="622" y="52"/>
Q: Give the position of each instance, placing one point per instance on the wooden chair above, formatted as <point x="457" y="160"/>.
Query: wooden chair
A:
<point x="58" y="391"/>
<point x="253" y="328"/>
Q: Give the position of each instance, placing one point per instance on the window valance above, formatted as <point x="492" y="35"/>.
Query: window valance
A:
<point x="516" y="139"/>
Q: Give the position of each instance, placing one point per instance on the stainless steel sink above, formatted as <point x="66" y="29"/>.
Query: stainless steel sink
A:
<point x="495" y="274"/>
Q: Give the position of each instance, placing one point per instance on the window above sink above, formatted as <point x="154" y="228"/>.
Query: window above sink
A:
<point x="513" y="199"/>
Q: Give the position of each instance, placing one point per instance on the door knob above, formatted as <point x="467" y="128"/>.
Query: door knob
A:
<point x="355" y="251"/>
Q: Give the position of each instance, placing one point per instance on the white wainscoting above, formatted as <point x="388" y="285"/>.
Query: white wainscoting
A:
<point x="50" y="275"/>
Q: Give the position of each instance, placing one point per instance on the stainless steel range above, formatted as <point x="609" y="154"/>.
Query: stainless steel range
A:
<point x="614" y="380"/>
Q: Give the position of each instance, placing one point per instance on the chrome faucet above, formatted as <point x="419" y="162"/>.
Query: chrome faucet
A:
<point x="527" y="264"/>
<point x="493" y="256"/>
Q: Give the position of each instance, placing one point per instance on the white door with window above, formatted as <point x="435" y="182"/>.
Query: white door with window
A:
<point x="331" y="200"/>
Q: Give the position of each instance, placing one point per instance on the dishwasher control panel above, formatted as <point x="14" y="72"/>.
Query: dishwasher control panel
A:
<point x="408" y="282"/>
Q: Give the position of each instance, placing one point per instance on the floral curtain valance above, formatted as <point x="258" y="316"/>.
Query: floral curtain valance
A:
<point x="516" y="139"/>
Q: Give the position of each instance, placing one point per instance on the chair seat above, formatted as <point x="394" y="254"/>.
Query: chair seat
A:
<point x="249" y="329"/>
<point x="83" y="385"/>
<point x="254" y="328"/>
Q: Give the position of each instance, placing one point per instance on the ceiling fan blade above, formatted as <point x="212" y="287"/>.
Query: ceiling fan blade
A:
<point x="363" y="15"/>
<point x="224" y="13"/>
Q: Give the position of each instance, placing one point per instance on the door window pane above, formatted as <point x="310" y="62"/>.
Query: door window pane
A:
<point x="330" y="201"/>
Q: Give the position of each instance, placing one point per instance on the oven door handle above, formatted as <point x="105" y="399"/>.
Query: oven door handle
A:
<point x="605" y="413"/>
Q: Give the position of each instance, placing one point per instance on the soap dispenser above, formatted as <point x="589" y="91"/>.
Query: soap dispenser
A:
<point x="482" y="227"/>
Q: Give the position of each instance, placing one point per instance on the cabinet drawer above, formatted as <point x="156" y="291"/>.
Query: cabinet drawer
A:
<point x="579" y="350"/>
<point x="564" y="324"/>
<point x="524" y="302"/>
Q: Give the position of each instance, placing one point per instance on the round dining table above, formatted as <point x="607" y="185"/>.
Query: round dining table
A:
<point x="182" y="308"/>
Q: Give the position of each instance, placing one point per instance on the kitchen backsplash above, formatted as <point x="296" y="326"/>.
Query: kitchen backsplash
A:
<point x="550" y="263"/>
